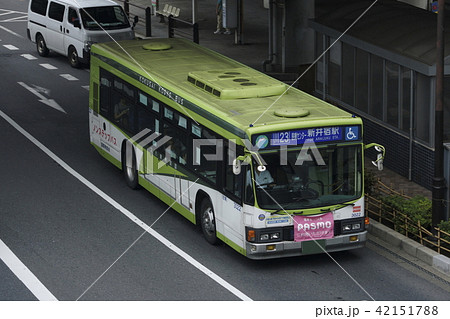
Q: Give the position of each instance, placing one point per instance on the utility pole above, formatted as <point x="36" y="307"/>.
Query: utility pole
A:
<point x="438" y="187"/>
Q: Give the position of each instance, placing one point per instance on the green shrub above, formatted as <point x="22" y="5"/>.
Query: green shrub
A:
<point x="416" y="209"/>
<point x="445" y="226"/>
<point x="370" y="180"/>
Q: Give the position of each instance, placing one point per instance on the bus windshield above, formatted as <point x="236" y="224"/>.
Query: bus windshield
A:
<point x="107" y="18"/>
<point x="302" y="181"/>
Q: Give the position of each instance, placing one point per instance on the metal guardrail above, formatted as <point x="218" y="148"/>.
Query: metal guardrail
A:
<point x="175" y="29"/>
<point x="143" y="13"/>
<point x="176" y="26"/>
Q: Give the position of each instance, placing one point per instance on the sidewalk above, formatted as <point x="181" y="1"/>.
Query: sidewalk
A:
<point x="252" y="52"/>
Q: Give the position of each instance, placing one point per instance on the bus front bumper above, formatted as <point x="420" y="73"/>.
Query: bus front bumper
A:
<point x="291" y="248"/>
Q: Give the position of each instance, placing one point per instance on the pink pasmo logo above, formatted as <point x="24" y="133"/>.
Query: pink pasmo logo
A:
<point x="313" y="227"/>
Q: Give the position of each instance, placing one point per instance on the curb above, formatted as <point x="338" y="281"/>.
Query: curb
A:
<point x="411" y="247"/>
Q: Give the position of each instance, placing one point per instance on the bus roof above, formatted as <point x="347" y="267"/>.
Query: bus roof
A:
<point x="221" y="86"/>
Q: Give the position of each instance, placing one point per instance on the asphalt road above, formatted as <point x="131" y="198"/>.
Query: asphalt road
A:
<point x="83" y="247"/>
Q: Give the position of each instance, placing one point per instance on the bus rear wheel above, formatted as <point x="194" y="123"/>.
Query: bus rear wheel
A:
<point x="208" y="222"/>
<point x="130" y="172"/>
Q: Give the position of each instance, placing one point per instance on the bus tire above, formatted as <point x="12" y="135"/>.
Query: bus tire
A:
<point x="41" y="47"/>
<point x="129" y="169"/>
<point x="208" y="222"/>
<point x="73" y="57"/>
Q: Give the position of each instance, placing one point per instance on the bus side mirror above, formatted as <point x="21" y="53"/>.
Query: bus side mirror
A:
<point x="236" y="166"/>
<point x="237" y="163"/>
<point x="380" y="156"/>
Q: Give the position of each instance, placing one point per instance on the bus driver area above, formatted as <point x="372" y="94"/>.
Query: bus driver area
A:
<point x="269" y="172"/>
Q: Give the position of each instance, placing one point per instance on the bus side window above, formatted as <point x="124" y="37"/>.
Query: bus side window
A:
<point x="145" y="117"/>
<point x="176" y="148"/>
<point x="105" y="93"/>
<point x="124" y="108"/>
<point x="123" y="112"/>
<point x="232" y="182"/>
<point x="203" y="166"/>
<point x="249" y="197"/>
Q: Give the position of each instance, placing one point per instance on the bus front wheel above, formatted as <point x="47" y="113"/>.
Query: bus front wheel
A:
<point x="208" y="222"/>
<point x="129" y="168"/>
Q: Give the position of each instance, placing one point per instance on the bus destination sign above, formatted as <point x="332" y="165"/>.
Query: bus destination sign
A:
<point x="310" y="135"/>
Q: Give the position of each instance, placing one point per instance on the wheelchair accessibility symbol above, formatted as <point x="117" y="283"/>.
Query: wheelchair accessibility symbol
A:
<point x="352" y="133"/>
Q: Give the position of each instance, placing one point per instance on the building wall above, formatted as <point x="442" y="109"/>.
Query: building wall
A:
<point x="396" y="103"/>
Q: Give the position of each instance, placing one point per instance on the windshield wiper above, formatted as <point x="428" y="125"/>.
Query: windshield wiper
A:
<point x="344" y="204"/>
<point x="283" y="209"/>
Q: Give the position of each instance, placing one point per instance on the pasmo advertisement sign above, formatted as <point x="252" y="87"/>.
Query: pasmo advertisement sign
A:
<point x="313" y="227"/>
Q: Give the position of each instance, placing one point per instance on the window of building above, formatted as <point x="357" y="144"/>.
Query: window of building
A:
<point x="423" y="107"/>
<point x="405" y="99"/>
<point x="376" y="87"/>
<point x="320" y="63"/>
<point x="362" y="80"/>
<point x="446" y="109"/>
<point x="334" y="69"/>
<point x="392" y="93"/>
<point x="348" y="74"/>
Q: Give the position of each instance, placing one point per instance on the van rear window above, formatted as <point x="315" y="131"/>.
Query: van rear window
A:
<point x="39" y="6"/>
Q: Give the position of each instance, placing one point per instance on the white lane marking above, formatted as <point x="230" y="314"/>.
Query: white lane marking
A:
<point x="50" y="102"/>
<point x="22" y="272"/>
<point x="48" y="66"/>
<point x="29" y="56"/>
<point x="12" y="11"/>
<point x="11" y="47"/>
<point x="16" y="19"/>
<point x="12" y="32"/>
<point x="86" y="87"/>
<point x="127" y="213"/>
<point x="69" y="77"/>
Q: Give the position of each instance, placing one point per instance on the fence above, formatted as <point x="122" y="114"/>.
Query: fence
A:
<point x="388" y="215"/>
<point x="176" y="29"/>
<point x="143" y="13"/>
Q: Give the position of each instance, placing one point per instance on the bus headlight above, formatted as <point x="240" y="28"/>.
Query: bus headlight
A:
<point x="350" y="226"/>
<point x="264" y="235"/>
<point x="275" y="236"/>
<point x="270" y="236"/>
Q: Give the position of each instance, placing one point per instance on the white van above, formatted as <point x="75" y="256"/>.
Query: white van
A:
<point x="70" y="27"/>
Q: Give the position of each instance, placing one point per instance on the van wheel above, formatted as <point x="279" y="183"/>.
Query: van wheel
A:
<point x="129" y="168"/>
<point x="208" y="222"/>
<point x="74" y="60"/>
<point x="41" y="46"/>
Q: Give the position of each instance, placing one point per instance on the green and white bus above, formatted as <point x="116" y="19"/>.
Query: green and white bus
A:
<point x="269" y="172"/>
